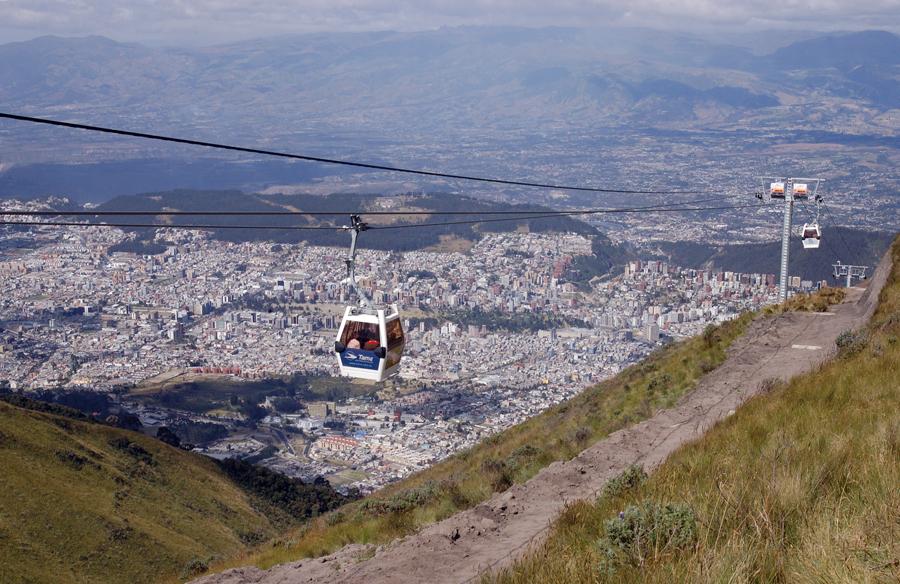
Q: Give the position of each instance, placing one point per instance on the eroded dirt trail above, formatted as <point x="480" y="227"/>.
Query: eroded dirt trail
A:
<point x="494" y="533"/>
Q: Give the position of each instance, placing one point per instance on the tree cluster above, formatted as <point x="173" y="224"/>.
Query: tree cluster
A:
<point x="298" y="499"/>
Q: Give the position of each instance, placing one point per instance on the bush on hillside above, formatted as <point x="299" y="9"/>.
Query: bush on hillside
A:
<point x="646" y="531"/>
<point x="402" y="501"/>
<point x="818" y="301"/>
<point x="194" y="568"/>
<point x="709" y="335"/>
<point x="499" y="474"/>
<point x="628" y="480"/>
<point x="132" y="449"/>
<point x="525" y="452"/>
<point x="851" y="342"/>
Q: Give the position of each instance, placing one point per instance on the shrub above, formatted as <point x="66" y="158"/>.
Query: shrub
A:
<point x="710" y="336"/>
<point x="646" y="531"/>
<point x="501" y="482"/>
<point x="851" y="342"/>
<point x="195" y="567"/>
<point x="251" y="537"/>
<point x="629" y="479"/>
<point x="74" y="460"/>
<point x="526" y="451"/>
<point x="402" y="501"/>
<point x="333" y="519"/>
<point x="499" y="473"/>
<point x="768" y="385"/>
<point x="660" y="382"/>
<point x="455" y="494"/>
<point x="132" y="449"/>
<point x="582" y="434"/>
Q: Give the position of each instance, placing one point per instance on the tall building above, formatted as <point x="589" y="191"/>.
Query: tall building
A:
<point x="320" y="410"/>
<point x="651" y="332"/>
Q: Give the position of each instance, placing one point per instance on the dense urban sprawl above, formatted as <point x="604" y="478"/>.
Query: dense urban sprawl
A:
<point x="76" y="316"/>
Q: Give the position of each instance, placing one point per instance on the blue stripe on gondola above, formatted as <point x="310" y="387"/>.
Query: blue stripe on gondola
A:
<point x="360" y="359"/>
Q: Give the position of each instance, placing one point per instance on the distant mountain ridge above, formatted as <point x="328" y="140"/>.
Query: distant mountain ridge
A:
<point x="298" y="88"/>
<point x="867" y="48"/>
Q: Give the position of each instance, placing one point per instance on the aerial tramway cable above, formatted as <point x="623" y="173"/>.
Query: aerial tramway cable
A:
<point x="370" y="340"/>
<point x="48" y="213"/>
<point x="570" y="213"/>
<point x="322" y="160"/>
<point x="658" y="209"/>
<point x="171" y="226"/>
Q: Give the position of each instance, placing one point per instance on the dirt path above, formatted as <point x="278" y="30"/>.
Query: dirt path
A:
<point x="492" y="534"/>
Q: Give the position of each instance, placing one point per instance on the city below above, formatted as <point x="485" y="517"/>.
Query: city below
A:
<point x="230" y="345"/>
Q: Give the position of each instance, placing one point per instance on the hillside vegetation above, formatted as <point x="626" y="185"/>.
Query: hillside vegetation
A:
<point x="513" y="456"/>
<point x="800" y="485"/>
<point x="81" y="502"/>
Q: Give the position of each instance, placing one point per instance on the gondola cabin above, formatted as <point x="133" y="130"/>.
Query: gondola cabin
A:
<point x="812" y="236"/>
<point x="369" y="343"/>
<point x="800" y="191"/>
<point x="776" y="190"/>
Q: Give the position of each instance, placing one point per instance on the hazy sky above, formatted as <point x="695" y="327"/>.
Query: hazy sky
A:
<point x="207" y="21"/>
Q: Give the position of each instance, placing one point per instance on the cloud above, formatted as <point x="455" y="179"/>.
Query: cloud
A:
<point x="181" y="21"/>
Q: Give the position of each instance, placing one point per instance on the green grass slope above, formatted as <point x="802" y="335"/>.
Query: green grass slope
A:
<point x="85" y="503"/>
<point x="802" y="484"/>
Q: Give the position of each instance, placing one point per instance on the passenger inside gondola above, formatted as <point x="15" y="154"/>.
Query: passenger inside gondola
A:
<point x="360" y="335"/>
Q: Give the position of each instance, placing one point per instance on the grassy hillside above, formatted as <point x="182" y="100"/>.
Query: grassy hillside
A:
<point x="513" y="456"/>
<point x="800" y="485"/>
<point x="81" y="502"/>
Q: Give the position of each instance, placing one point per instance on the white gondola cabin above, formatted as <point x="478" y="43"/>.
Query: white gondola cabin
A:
<point x="801" y="191"/>
<point x="812" y="236"/>
<point x="369" y="344"/>
<point x="776" y="190"/>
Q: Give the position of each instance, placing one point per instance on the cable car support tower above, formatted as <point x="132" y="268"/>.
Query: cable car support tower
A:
<point x="847" y="271"/>
<point x="791" y="190"/>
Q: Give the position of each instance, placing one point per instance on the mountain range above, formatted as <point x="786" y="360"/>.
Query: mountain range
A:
<point x="397" y="87"/>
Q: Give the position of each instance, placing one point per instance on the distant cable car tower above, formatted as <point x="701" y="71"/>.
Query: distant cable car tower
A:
<point x="790" y="190"/>
<point x="840" y="270"/>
